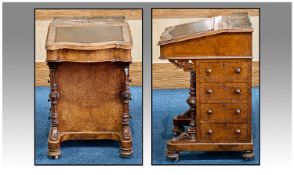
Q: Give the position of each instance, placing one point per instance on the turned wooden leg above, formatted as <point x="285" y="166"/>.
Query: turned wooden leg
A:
<point x="126" y="140"/>
<point x="53" y="144"/>
<point x="54" y="139"/>
<point x="186" y="117"/>
<point x="248" y="155"/>
<point x="172" y="155"/>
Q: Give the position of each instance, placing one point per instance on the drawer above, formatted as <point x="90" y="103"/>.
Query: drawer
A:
<point x="223" y="132"/>
<point x="223" y="113"/>
<point x="224" y="71"/>
<point x="223" y="91"/>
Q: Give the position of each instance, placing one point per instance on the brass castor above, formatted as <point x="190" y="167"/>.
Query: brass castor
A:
<point x="174" y="156"/>
<point x="248" y="155"/>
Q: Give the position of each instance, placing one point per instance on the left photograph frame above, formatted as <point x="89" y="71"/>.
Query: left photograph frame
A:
<point x="88" y="86"/>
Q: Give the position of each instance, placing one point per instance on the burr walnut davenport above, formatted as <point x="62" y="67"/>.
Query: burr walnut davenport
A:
<point x="218" y="53"/>
<point x="89" y="60"/>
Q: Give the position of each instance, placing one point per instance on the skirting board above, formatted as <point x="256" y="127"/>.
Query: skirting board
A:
<point x="165" y="75"/>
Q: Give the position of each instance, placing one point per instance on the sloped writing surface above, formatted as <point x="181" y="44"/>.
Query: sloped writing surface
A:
<point x="89" y="34"/>
<point x="191" y="28"/>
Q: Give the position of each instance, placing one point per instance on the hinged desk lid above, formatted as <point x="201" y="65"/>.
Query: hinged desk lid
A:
<point x="94" y="35"/>
<point x="238" y="22"/>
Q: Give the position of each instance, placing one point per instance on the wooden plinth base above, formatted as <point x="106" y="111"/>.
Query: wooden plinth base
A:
<point x="54" y="145"/>
<point x="174" y="147"/>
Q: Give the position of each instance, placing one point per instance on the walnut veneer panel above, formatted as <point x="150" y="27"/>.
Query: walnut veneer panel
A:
<point x="213" y="46"/>
<point x="87" y="103"/>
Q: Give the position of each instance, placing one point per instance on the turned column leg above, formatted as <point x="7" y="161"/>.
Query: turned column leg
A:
<point x="126" y="140"/>
<point x="53" y="140"/>
<point x="186" y="117"/>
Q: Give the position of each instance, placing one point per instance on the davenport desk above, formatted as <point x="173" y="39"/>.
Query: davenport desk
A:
<point x="218" y="53"/>
<point x="89" y="60"/>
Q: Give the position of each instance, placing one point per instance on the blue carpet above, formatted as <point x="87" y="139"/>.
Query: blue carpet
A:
<point x="86" y="152"/>
<point x="166" y="104"/>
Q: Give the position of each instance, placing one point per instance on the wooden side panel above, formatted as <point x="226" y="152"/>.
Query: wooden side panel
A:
<point x="90" y="97"/>
<point x="223" y="44"/>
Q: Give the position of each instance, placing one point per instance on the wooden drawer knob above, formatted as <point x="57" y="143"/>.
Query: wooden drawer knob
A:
<point x="209" y="91"/>
<point x="208" y="71"/>
<point x="238" y="111"/>
<point x="209" y="111"/>
<point x="238" y="131"/>
<point x="237" y="70"/>
<point x="209" y="131"/>
<point x="238" y="91"/>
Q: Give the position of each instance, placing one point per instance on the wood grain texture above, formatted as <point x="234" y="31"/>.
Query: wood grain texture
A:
<point x="101" y="55"/>
<point x="41" y="14"/>
<point x="214" y="45"/>
<point x="42" y="74"/>
<point x="204" y="13"/>
<point x="87" y="103"/>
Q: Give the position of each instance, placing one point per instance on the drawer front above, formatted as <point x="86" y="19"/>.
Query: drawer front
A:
<point x="223" y="113"/>
<point x="223" y="132"/>
<point x="224" y="71"/>
<point x="223" y="91"/>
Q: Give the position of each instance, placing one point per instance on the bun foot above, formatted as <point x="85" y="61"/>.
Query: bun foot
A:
<point x="248" y="155"/>
<point x="174" y="156"/>
<point x="125" y="153"/>
<point x="55" y="157"/>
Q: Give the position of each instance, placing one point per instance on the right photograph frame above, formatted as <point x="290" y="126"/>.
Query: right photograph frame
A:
<point x="205" y="86"/>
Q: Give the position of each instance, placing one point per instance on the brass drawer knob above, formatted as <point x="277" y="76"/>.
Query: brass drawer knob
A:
<point x="208" y="71"/>
<point x="238" y="131"/>
<point x="209" y="131"/>
<point x="209" y="91"/>
<point x="238" y="111"/>
<point x="237" y="70"/>
<point x="209" y="111"/>
<point x="238" y="91"/>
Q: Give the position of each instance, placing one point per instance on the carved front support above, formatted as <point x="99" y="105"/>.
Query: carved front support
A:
<point x="188" y="117"/>
<point x="53" y="141"/>
<point x="126" y="140"/>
